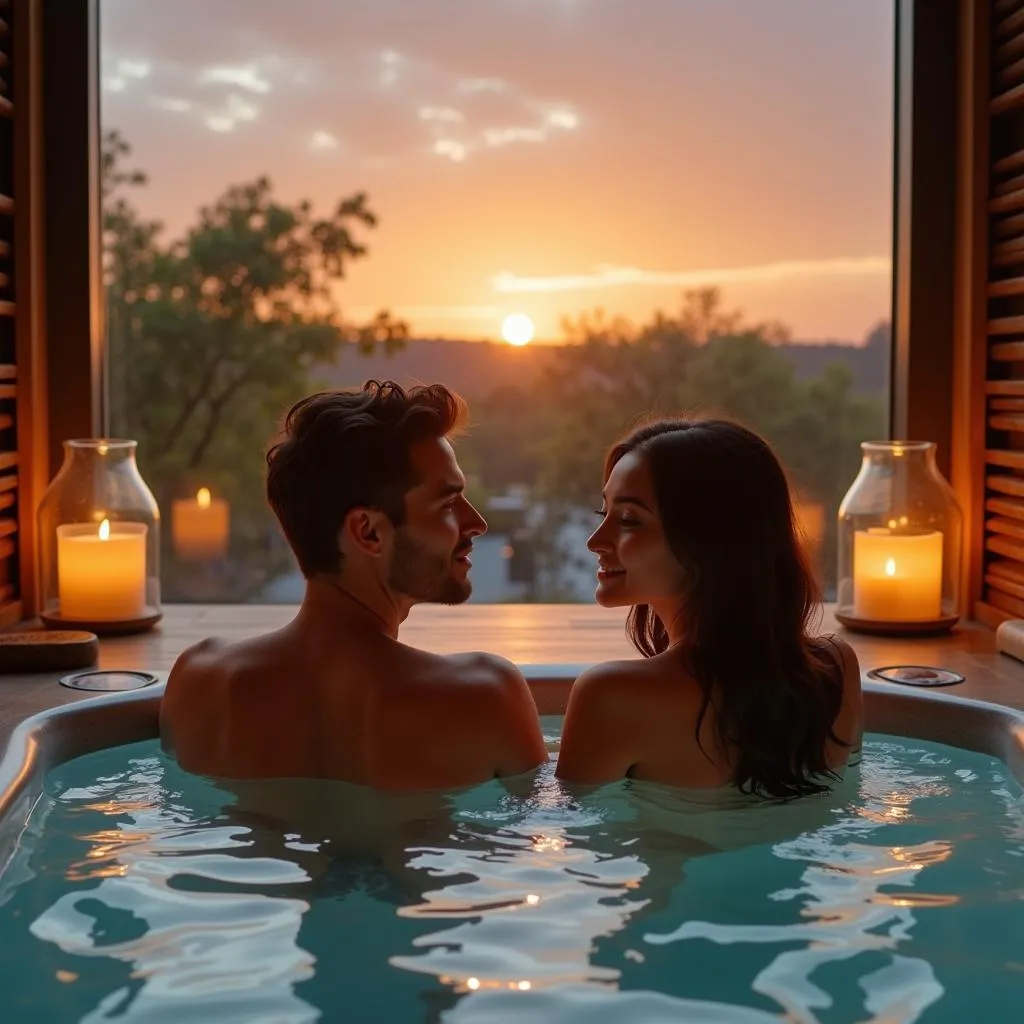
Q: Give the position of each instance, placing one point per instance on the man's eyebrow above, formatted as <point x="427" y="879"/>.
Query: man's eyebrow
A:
<point x="625" y="499"/>
<point x="450" y="489"/>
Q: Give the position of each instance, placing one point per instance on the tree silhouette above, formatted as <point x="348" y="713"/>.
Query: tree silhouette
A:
<point x="700" y="359"/>
<point x="212" y="335"/>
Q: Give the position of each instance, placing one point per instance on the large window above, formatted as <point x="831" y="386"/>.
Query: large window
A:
<point x="573" y="212"/>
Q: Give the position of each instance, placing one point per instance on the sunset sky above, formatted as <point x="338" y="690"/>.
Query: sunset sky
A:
<point x="538" y="156"/>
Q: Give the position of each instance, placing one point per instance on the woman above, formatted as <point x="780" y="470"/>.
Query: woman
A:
<point x="697" y="535"/>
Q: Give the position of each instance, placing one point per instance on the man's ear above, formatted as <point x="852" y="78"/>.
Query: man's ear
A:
<point x="367" y="530"/>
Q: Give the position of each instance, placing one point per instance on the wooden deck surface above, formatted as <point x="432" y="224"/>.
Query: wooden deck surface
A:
<point x="526" y="634"/>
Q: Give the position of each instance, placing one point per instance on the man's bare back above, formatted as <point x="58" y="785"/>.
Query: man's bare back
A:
<point x="372" y="501"/>
<point x="351" y="705"/>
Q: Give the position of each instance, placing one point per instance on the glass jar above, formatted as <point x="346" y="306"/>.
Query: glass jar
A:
<point x="900" y="532"/>
<point x="99" y="542"/>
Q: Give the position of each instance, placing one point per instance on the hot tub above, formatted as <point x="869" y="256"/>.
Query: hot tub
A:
<point x="131" y="890"/>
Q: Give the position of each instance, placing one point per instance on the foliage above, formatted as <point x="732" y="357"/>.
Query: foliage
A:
<point x="702" y="359"/>
<point x="213" y="335"/>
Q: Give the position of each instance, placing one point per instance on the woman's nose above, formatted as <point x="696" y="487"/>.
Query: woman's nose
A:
<point x="596" y="541"/>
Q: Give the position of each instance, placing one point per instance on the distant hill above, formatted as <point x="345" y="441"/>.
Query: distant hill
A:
<point x="474" y="368"/>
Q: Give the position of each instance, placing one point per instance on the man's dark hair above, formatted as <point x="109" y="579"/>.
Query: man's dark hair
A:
<point x="340" y="450"/>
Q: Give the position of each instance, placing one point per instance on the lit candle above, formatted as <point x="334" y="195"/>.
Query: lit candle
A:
<point x="199" y="527"/>
<point x="897" y="576"/>
<point x="101" y="571"/>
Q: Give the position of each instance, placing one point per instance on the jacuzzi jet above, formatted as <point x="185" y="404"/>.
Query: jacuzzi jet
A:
<point x="103" y="679"/>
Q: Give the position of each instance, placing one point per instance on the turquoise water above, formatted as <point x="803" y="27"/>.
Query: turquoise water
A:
<point x="144" y="894"/>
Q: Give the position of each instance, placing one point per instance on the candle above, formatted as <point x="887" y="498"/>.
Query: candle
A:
<point x="199" y="527"/>
<point x="897" y="576"/>
<point x="101" y="571"/>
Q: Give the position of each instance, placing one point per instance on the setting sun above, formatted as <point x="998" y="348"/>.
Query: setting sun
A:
<point x="517" y="329"/>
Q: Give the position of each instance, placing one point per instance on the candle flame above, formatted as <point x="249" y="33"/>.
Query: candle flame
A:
<point x="203" y="497"/>
<point x="105" y="530"/>
<point x="890" y="567"/>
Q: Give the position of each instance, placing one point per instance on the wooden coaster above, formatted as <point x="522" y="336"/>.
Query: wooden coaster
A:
<point x="878" y="628"/>
<point x="47" y="650"/>
<point x="121" y="627"/>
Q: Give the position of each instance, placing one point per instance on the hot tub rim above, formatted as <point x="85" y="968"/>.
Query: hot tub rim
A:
<point x="59" y="734"/>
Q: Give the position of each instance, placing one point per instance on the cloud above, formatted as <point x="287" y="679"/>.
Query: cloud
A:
<point x="219" y="96"/>
<point x="472" y="85"/>
<point x="134" y="68"/>
<point x="125" y="71"/>
<point x="446" y="114"/>
<point x="247" y="77"/>
<point x="390" y="102"/>
<point x="323" y="140"/>
<point x="236" y="110"/>
<point x="172" y="104"/>
<point x="413" y="312"/>
<point x="613" y="277"/>
<point x="451" y="148"/>
<point x="503" y="136"/>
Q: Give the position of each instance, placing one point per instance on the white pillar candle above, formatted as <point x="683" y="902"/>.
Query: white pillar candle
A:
<point x="101" y="571"/>
<point x="897" y="576"/>
<point x="199" y="527"/>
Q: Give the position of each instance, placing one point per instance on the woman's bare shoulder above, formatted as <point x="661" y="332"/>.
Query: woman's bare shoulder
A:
<point x="610" y="673"/>
<point x="849" y="723"/>
<point x="841" y="650"/>
<point x="637" y="687"/>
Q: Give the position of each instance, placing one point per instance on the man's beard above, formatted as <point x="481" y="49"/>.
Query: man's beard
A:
<point x="424" y="576"/>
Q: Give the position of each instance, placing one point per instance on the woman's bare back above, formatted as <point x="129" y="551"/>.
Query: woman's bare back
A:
<point x="639" y="719"/>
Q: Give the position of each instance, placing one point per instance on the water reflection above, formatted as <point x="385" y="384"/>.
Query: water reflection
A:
<point x="285" y="902"/>
<point x="842" y="912"/>
<point x="155" y="908"/>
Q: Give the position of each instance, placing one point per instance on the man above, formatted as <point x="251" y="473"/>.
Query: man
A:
<point x="372" y="501"/>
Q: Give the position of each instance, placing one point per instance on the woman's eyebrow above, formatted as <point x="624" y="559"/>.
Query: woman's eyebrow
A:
<point x="625" y="499"/>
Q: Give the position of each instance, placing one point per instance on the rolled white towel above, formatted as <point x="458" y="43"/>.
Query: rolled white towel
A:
<point x="1010" y="638"/>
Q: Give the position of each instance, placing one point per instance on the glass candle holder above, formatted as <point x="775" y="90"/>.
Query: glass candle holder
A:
<point x="99" y="542"/>
<point x="899" y="539"/>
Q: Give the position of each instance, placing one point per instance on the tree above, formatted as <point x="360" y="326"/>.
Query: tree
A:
<point x="211" y="336"/>
<point x="700" y="359"/>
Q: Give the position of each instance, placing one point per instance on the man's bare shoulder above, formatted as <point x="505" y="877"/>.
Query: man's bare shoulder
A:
<point x="475" y="684"/>
<point x="215" y="657"/>
<point x="419" y="668"/>
<point x="480" y="667"/>
<point x="203" y="674"/>
<point x="205" y="654"/>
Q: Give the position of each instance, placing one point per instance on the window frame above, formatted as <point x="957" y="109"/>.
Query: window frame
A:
<point x="931" y="366"/>
<point x="75" y="299"/>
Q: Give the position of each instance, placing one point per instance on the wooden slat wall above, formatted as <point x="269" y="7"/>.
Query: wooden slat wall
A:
<point x="1002" y="588"/>
<point x="10" y="596"/>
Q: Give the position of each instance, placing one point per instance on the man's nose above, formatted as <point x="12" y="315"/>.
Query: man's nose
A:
<point x="474" y="524"/>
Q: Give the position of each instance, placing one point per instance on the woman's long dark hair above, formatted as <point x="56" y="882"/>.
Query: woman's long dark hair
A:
<point x="727" y="516"/>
